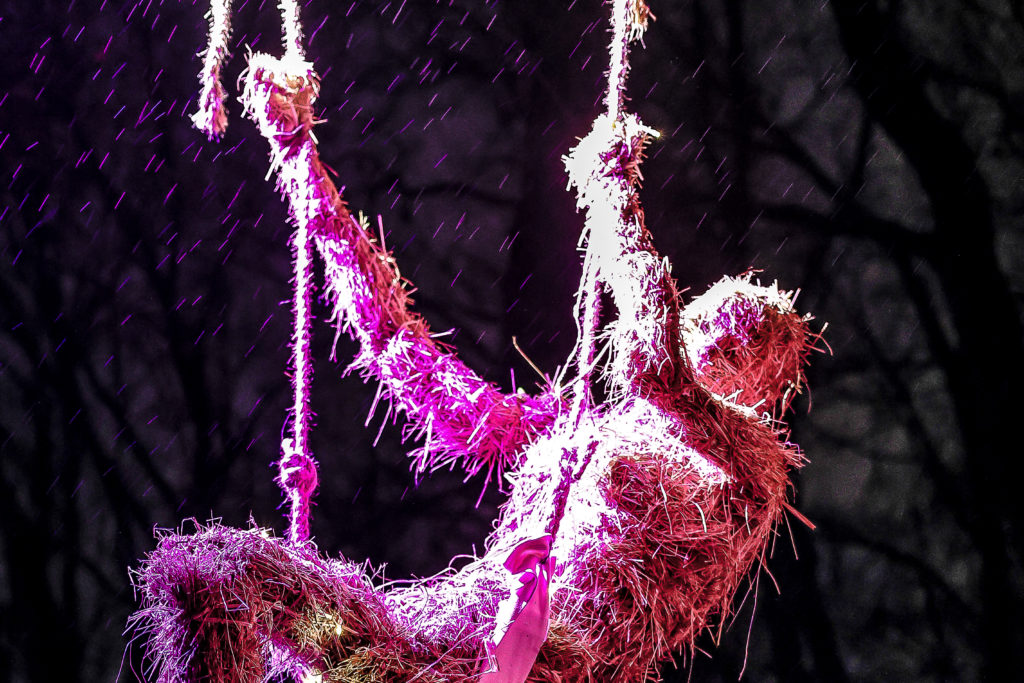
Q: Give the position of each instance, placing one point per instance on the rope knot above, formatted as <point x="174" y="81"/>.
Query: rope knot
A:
<point x="278" y="95"/>
<point x="296" y="471"/>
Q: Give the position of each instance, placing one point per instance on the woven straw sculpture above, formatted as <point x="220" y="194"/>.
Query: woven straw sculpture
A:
<point x="630" y="524"/>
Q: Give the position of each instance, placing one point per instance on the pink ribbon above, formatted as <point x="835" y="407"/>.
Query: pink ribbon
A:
<point x="522" y="620"/>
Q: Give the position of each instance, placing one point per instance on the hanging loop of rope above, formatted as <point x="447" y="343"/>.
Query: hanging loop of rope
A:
<point x="297" y="470"/>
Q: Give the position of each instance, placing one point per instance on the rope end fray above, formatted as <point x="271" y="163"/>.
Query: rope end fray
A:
<point x="212" y="116"/>
<point x="639" y="16"/>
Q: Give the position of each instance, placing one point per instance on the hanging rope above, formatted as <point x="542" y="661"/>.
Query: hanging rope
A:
<point x="297" y="470"/>
<point x="212" y="116"/>
<point x="629" y="21"/>
<point x="588" y="316"/>
<point x="291" y="28"/>
<point x="604" y="169"/>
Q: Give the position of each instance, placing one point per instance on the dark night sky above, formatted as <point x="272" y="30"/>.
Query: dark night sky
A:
<point x="868" y="154"/>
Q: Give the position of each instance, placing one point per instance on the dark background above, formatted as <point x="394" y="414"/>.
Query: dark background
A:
<point x="870" y="153"/>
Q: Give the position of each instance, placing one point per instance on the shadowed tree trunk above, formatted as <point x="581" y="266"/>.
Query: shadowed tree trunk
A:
<point x="982" y="357"/>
